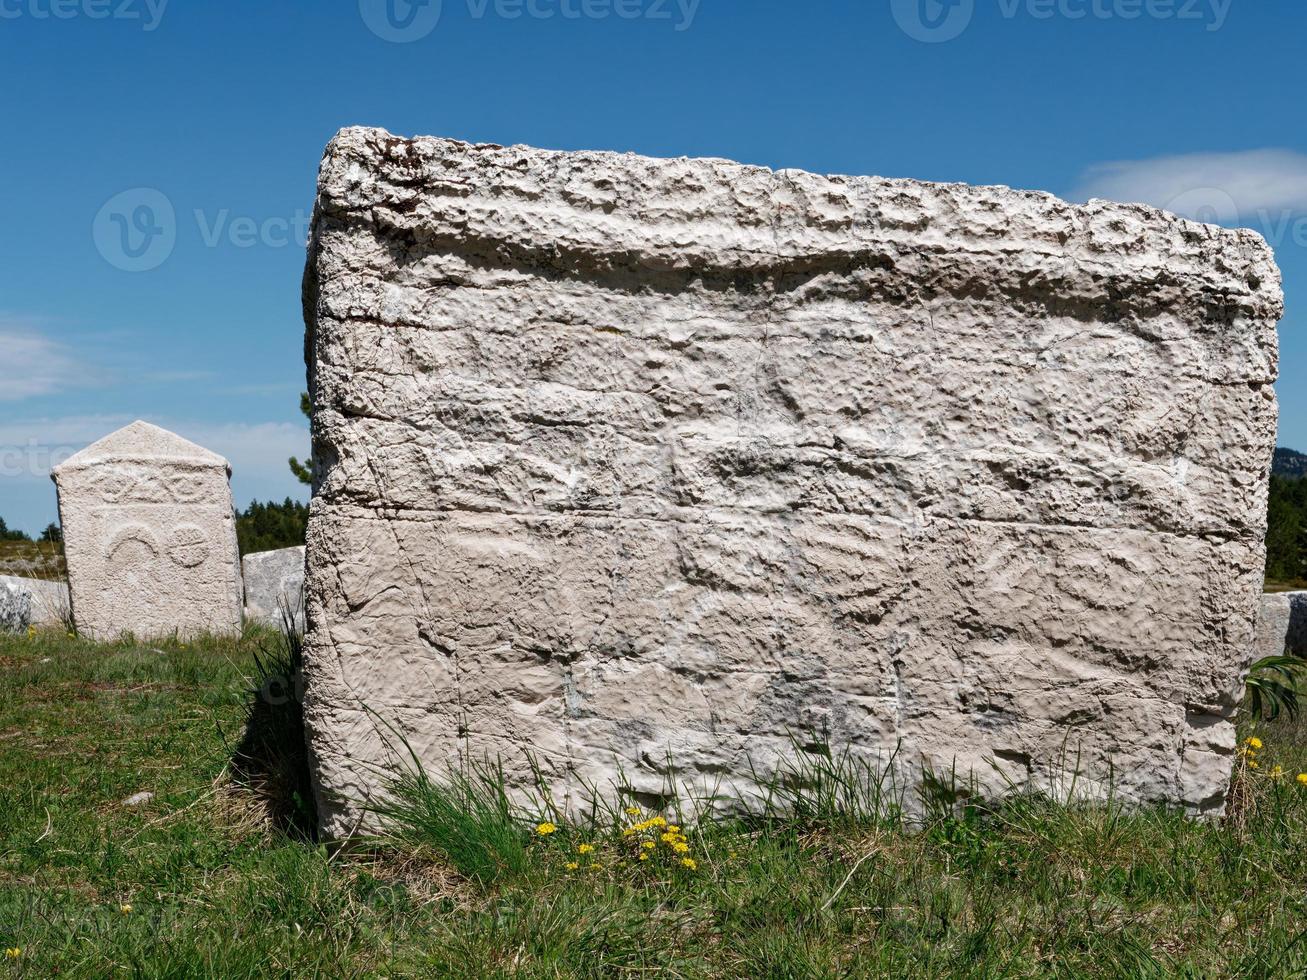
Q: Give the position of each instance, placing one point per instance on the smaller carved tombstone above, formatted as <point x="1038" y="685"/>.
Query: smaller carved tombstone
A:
<point x="150" y="536"/>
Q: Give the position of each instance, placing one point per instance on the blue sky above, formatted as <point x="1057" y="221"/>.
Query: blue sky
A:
<point x="220" y="111"/>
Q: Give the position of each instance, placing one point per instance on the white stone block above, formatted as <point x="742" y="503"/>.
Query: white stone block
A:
<point x="622" y="458"/>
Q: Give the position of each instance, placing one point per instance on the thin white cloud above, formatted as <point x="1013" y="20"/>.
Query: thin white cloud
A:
<point x="32" y="364"/>
<point x="1250" y="188"/>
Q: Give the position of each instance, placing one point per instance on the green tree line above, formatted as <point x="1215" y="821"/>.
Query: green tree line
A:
<point x="267" y="527"/>
<point x="1286" y="529"/>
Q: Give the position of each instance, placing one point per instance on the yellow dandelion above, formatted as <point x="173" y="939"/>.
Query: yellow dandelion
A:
<point x="649" y="845"/>
<point x="572" y="865"/>
<point x="632" y="811"/>
<point x="673" y="829"/>
<point x="680" y="847"/>
<point x="1254" y="742"/>
<point x="125" y="909"/>
<point x="1302" y="778"/>
<point x="545" y="829"/>
<point x="689" y="863"/>
<point x="644" y="855"/>
<point x="657" y="822"/>
<point x="585" y="849"/>
<point x="13" y="952"/>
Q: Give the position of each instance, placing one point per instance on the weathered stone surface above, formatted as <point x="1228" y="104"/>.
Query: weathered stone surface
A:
<point x="15" y="609"/>
<point x="624" y="458"/>
<point x="49" y="598"/>
<point x="1273" y="625"/>
<point x="149" y="536"/>
<point x="1282" y="625"/>
<point x="274" y="587"/>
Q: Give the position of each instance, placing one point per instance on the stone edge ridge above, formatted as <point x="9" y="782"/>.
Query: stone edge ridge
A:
<point x="90" y="456"/>
<point x="1116" y="254"/>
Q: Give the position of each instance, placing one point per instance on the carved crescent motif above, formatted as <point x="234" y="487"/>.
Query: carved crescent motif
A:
<point x="131" y="532"/>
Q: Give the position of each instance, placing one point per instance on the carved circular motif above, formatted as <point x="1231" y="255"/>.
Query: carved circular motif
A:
<point x="188" y="546"/>
<point x="186" y="487"/>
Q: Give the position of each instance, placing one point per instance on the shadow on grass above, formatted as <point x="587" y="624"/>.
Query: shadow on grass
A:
<point x="271" y="760"/>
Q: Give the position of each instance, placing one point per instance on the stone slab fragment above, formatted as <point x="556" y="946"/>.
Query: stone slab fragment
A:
<point x="1282" y="625"/>
<point x="624" y="459"/>
<point x="149" y="536"/>
<point x="15" y="608"/>
<point x="50" y="605"/>
<point x="274" y="587"/>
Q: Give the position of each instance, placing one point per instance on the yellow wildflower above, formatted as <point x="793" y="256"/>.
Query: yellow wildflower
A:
<point x="632" y="811"/>
<point x="644" y="855"/>
<point x="596" y="866"/>
<point x="670" y="838"/>
<point x="125" y="909"/>
<point x="585" y="849"/>
<point x="1277" y="772"/>
<point x="13" y="952"/>
<point x="673" y="829"/>
<point x="650" y="845"/>
<point x="657" y="822"/>
<point x="572" y="865"/>
<point x="1252" y="764"/>
<point x="1254" y="742"/>
<point x="689" y="863"/>
<point x="545" y="829"/>
<point x="1302" y="778"/>
<point x="680" y="847"/>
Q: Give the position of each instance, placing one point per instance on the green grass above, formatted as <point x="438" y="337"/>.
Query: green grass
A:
<point x="221" y="880"/>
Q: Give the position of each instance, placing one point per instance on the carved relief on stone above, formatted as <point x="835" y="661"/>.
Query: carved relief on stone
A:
<point x="149" y="536"/>
<point x="955" y="475"/>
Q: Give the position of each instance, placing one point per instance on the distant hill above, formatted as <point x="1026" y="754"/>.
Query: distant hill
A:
<point x="1289" y="462"/>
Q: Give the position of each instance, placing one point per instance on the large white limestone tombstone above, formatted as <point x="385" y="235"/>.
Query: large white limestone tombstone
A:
<point x="628" y="464"/>
<point x="150" y="536"/>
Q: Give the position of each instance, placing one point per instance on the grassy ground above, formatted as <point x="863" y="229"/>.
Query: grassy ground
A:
<point x="211" y="877"/>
